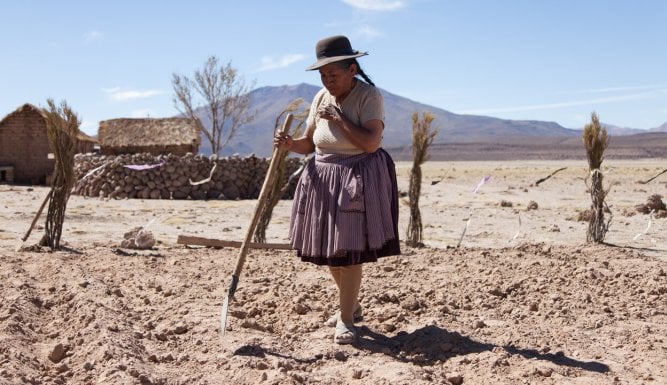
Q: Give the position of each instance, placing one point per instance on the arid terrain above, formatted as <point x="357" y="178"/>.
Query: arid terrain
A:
<point x="506" y="290"/>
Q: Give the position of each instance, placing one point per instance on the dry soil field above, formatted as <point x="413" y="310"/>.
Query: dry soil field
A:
<point x="522" y="300"/>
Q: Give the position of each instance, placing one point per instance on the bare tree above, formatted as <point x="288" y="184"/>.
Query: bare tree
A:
<point x="221" y="94"/>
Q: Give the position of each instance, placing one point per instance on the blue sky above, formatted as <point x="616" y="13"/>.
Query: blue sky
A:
<point x="552" y="60"/>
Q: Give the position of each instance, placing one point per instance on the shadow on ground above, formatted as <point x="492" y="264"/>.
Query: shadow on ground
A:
<point x="432" y="344"/>
<point x="428" y="346"/>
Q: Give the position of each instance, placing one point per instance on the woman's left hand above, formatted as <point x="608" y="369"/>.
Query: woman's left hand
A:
<point x="329" y="112"/>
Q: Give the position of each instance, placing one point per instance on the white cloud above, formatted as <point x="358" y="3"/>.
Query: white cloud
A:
<point x="368" y="33"/>
<point x="272" y="62"/>
<point x="621" y="89"/>
<point x="376" y="5"/>
<point x="575" y="103"/>
<point x="92" y="36"/>
<point x="117" y="94"/>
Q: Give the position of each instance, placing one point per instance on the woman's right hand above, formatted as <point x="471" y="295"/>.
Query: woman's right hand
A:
<point x="283" y="141"/>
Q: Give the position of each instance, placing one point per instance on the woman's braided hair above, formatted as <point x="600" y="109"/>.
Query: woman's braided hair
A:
<point x="360" y="72"/>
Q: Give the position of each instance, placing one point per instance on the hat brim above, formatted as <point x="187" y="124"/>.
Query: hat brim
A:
<point x="328" y="60"/>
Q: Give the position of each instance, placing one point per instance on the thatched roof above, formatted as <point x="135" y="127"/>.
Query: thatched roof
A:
<point x="27" y="108"/>
<point x="23" y="109"/>
<point x="127" y="132"/>
<point x="83" y="137"/>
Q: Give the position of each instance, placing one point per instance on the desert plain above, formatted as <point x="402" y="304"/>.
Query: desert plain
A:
<point x="506" y="289"/>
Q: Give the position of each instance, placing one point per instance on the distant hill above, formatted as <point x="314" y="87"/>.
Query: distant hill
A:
<point x="621" y="131"/>
<point x="257" y="137"/>
<point x="638" y="146"/>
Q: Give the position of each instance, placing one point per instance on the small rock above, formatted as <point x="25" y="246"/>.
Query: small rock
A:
<point x="411" y="303"/>
<point x="161" y="336"/>
<point x="138" y="238"/>
<point x="497" y="292"/>
<point x="455" y="379"/>
<point x="544" y="371"/>
<point x="478" y="324"/>
<point x="388" y="327"/>
<point x="167" y="358"/>
<point x="301" y="309"/>
<point x="57" y="353"/>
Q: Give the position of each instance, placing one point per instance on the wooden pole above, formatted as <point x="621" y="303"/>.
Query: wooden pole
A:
<point x="210" y="242"/>
<point x="269" y="180"/>
<point x="19" y="246"/>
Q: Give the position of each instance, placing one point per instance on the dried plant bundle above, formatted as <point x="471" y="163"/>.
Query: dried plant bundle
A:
<point x="422" y="137"/>
<point x="278" y="189"/>
<point x="62" y="127"/>
<point x="596" y="141"/>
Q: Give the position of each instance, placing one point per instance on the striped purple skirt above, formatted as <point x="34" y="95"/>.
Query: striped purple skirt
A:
<point x="345" y="210"/>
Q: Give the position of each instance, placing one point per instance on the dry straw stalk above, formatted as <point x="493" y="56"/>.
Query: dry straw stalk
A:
<point x="422" y="137"/>
<point x="596" y="141"/>
<point x="63" y="128"/>
<point x="278" y="189"/>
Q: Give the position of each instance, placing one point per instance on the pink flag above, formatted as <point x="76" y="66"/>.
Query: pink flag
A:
<point x="140" y="167"/>
<point x="481" y="183"/>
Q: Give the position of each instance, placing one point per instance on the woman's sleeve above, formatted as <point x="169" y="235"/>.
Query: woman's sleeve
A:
<point x="372" y="107"/>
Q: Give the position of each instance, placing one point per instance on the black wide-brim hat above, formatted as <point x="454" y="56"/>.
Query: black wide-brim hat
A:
<point x="333" y="49"/>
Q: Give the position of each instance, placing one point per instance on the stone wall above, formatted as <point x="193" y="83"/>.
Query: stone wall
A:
<point x="146" y="176"/>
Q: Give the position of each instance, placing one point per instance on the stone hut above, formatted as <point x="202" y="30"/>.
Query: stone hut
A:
<point x="25" y="153"/>
<point x="177" y="136"/>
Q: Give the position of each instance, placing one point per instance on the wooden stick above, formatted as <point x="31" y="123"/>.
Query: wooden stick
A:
<point x="269" y="180"/>
<point x="34" y="221"/>
<point x="646" y="181"/>
<point x="549" y="176"/>
<point x="210" y="242"/>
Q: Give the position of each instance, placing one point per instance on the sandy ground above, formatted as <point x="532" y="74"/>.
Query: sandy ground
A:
<point x="523" y="300"/>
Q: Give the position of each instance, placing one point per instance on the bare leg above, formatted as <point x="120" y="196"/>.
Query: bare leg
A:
<point x="350" y="283"/>
<point x="335" y="273"/>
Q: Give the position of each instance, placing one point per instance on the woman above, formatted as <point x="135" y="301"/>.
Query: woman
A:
<point x="345" y="210"/>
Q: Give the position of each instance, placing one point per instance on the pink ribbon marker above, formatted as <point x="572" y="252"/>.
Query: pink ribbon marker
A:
<point x="481" y="183"/>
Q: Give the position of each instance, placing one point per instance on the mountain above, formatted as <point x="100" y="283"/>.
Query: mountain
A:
<point x="620" y="131"/>
<point x="267" y="102"/>
<point x="662" y="128"/>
